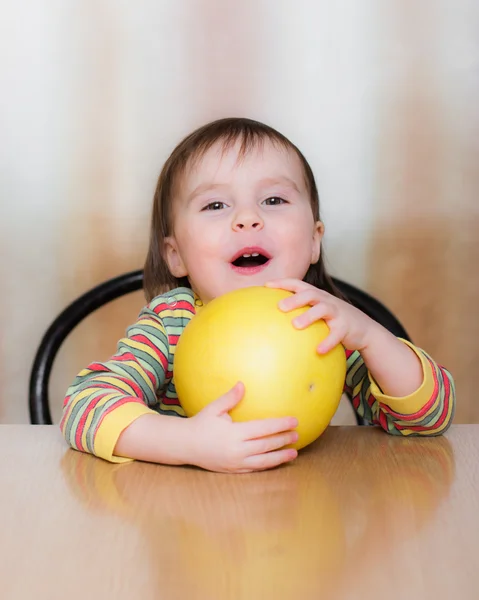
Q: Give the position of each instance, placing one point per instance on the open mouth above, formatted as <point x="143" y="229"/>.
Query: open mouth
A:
<point x="249" y="261"/>
<point x="256" y="259"/>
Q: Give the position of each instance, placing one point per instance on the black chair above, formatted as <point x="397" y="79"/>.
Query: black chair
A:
<point x="131" y="282"/>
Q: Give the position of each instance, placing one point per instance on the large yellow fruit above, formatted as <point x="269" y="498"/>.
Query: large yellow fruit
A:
<point x="244" y="336"/>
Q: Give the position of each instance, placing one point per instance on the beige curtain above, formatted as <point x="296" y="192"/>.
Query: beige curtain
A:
<point x="424" y="247"/>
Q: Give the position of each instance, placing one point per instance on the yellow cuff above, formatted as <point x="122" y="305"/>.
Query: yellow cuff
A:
<point x="112" y="426"/>
<point x="413" y="403"/>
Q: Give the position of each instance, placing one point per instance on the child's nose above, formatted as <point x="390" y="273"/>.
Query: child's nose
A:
<point x="247" y="221"/>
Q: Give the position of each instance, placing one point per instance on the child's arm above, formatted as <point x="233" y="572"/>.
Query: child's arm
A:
<point x="404" y="391"/>
<point x="427" y="410"/>
<point x="107" y="397"/>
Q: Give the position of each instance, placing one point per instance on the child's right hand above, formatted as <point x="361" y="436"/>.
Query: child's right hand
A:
<point x="219" y="444"/>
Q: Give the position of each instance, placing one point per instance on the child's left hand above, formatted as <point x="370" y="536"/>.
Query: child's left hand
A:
<point x="348" y="325"/>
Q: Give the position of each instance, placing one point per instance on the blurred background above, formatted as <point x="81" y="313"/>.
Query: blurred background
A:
<point x="381" y="97"/>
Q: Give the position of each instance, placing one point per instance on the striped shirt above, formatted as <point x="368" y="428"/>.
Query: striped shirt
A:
<point x="107" y="397"/>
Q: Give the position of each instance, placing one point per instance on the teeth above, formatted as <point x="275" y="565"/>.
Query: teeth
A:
<point x="255" y="254"/>
<point x="247" y="255"/>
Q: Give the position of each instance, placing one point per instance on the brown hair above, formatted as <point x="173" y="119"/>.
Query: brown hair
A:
<point x="157" y="277"/>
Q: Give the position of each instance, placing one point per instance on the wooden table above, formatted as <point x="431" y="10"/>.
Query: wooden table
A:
<point x="360" y="514"/>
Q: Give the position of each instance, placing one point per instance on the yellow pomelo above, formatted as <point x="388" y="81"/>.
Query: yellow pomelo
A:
<point x="244" y="336"/>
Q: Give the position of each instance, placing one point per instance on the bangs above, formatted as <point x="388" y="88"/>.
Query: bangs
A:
<point x="251" y="135"/>
<point x="249" y="139"/>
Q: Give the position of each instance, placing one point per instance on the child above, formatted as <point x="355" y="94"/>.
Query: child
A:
<point x="236" y="205"/>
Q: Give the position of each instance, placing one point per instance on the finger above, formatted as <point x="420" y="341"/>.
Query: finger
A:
<point x="269" y="460"/>
<point x="308" y="297"/>
<point x="335" y="337"/>
<point x="271" y="442"/>
<point x="323" y="310"/>
<point x="251" y="430"/>
<point x="227" y="401"/>
<point x="290" y="285"/>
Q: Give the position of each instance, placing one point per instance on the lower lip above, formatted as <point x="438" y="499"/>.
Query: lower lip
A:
<point x="249" y="270"/>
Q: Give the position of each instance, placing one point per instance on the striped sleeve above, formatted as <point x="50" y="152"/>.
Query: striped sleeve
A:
<point x="427" y="411"/>
<point x="106" y="397"/>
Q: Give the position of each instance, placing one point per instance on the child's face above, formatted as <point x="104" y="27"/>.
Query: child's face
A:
<point x="229" y="206"/>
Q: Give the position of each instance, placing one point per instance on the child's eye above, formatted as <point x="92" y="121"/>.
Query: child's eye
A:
<point x="214" y="206"/>
<point x="274" y="201"/>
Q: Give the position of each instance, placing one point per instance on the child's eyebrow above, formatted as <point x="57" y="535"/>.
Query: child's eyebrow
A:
<point x="269" y="181"/>
<point x="204" y="187"/>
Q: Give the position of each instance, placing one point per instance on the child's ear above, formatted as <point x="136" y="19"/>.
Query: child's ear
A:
<point x="318" y="233"/>
<point x="173" y="258"/>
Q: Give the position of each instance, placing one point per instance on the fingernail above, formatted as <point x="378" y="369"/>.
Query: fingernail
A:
<point x="297" y="322"/>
